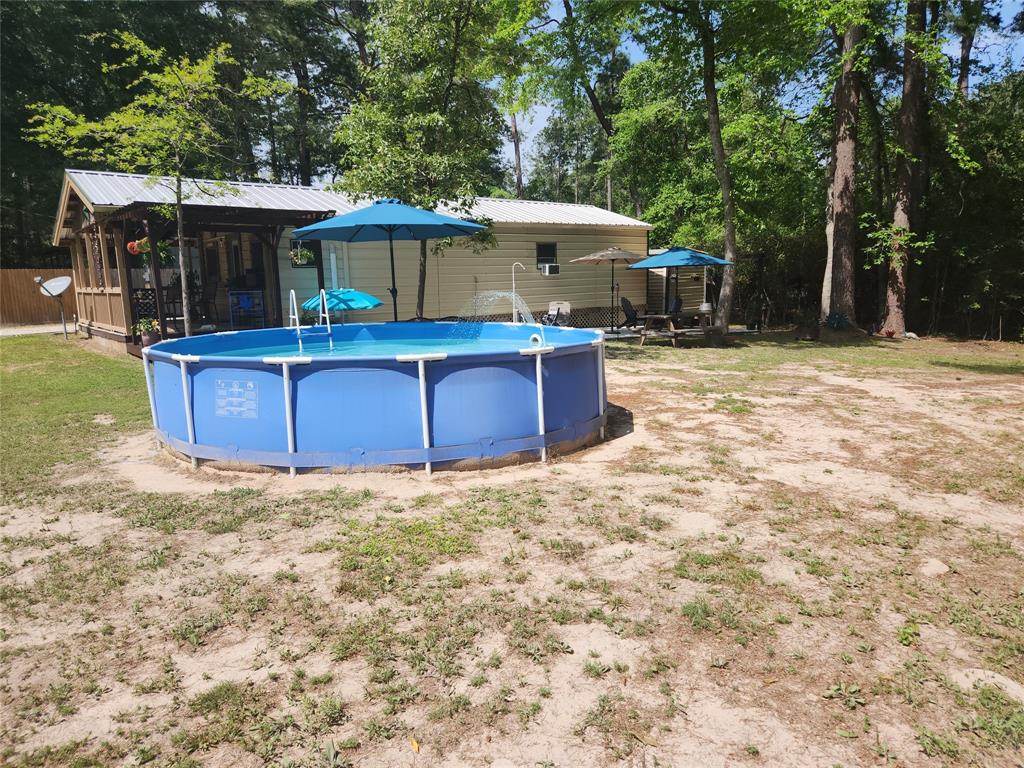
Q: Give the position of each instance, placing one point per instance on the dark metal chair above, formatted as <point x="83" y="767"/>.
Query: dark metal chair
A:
<point x="632" y="317"/>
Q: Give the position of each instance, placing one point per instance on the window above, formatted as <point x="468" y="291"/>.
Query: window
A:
<point x="547" y="253"/>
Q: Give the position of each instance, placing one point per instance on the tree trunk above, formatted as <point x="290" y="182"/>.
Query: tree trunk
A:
<point x="826" y="282"/>
<point x="844" y="207"/>
<point x="422" y="285"/>
<point x="183" y="261"/>
<point x="588" y="88"/>
<point x="963" y="76"/>
<point x="305" y="108"/>
<point x="702" y="21"/>
<point x="877" y="190"/>
<point x="906" y="193"/>
<point x="518" y="157"/>
<point x="275" y="161"/>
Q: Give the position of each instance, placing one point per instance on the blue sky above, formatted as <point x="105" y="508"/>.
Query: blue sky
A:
<point x="992" y="48"/>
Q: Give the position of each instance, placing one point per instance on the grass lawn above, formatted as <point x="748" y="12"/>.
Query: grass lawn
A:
<point x="786" y="554"/>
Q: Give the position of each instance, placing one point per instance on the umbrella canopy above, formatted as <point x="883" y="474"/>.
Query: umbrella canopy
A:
<point x="610" y="256"/>
<point x="390" y="220"/>
<point x="680" y="257"/>
<point x="343" y="300"/>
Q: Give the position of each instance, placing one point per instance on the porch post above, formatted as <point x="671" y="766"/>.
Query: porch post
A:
<point x="272" y="240"/>
<point x="124" y="277"/>
<point x="320" y="268"/>
<point x="101" y="233"/>
<point x="154" y="270"/>
<point x="76" y="269"/>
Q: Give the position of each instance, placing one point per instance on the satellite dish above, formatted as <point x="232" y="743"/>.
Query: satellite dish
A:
<point x="55" y="286"/>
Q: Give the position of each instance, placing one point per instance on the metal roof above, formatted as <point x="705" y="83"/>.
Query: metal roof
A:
<point x="103" y="189"/>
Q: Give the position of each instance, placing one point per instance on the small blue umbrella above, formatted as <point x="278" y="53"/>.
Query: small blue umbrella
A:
<point x="680" y="257"/>
<point x="343" y="300"/>
<point x="390" y="220"/>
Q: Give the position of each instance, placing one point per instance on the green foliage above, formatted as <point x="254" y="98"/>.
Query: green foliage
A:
<point x="409" y="99"/>
<point x="172" y="125"/>
<point x="426" y="130"/>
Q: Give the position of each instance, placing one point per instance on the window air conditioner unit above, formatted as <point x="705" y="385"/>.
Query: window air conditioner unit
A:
<point x="548" y="269"/>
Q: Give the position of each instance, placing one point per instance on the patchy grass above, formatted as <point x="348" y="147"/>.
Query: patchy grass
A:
<point x="52" y="391"/>
<point x="768" y="551"/>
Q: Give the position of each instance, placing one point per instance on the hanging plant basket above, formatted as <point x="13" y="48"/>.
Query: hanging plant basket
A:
<point x="141" y="248"/>
<point x="302" y="257"/>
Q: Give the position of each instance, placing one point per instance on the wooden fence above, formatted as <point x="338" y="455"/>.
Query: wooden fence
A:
<point x="21" y="302"/>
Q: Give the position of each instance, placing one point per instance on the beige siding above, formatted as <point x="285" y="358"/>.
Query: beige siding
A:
<point x="457" y="275"/>
<point x="691" y="288"/>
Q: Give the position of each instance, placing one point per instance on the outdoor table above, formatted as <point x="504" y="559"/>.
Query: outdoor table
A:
<point x="666" y="321"/>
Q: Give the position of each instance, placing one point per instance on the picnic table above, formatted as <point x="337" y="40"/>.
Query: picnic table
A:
<point x="666" y="325"/>
<point x="660" y="324"/>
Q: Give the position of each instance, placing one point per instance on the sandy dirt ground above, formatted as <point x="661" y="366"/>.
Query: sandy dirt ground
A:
<point x="806" y="563"/>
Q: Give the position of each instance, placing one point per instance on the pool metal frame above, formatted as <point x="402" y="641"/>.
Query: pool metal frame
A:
<point x="428" y="455"/>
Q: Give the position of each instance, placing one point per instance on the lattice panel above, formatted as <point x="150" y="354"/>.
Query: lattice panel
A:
<point x="143" y="303"/>
<point x="97" y="258"/>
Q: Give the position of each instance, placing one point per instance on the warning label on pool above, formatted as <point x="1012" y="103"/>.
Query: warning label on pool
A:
<point x="237" y="398"/>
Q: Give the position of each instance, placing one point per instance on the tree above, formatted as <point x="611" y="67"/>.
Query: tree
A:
<point x="579" y="59"/>
<point x="316" y="45"/>
<point x="427" y="130"/>
<point x="973" y="15"/>
<point x="907" y="194"/>
<point x="843" y="203"/>
<point x="48" y="52"/>
<point x="172" y="127"/>
<point x="511" y="62"/>
<point x="698" y="14"/>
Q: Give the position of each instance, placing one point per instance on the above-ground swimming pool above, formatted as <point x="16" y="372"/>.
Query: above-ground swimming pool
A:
<point x="414" y="394"/>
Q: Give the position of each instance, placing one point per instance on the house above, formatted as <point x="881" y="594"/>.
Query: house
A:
<point x="239" y="239"/>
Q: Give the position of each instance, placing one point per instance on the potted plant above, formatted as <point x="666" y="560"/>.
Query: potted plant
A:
<point x="302" y="257"/>
<point x="148" y="329"/>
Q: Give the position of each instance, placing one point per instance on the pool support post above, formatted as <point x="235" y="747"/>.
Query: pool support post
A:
<point x="286" y="379"/>
<point x="541" y="430"/>
<point x="421" y="370"/>
<point x="149" y="385"/>
<point x="599" y="344"/>
<point x="183" y="361"/>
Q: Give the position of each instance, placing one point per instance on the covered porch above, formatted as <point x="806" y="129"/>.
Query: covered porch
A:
<point x="126" y="268"/>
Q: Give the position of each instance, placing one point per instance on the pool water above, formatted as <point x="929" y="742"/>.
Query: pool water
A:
<point x="316" y="344"/>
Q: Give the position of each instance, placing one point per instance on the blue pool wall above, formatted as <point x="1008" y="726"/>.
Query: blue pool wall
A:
<point x="366" y="411"/>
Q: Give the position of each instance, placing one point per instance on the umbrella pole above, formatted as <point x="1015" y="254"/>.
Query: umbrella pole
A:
<point x="611" y="328"/>
<point x="394" y="289"/>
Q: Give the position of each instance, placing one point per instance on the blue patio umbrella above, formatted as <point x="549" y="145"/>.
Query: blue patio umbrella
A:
<point x="390" y="220"/>
<point x="681" y="257"/>
<point x="343" y="300"/>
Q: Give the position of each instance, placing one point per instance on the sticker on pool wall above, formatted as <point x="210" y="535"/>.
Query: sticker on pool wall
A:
<point x="237" y="398"/>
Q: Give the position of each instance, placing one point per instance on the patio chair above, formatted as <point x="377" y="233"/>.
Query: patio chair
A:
<point x="558" y="311"/>
<point x="632" y="318"/>
<point x="678" y="318"/>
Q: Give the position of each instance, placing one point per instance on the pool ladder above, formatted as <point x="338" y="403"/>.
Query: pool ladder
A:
<point x="324" y="318"/>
